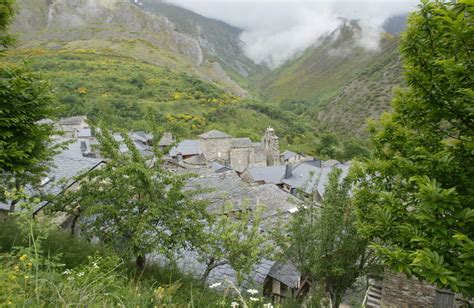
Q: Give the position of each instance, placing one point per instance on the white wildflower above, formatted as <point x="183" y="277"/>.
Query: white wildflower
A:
<point x="269" y="305"/>
<point x="94" y="265"/>
<point x="234" y="305"/>
<point x="80" y="274"/>
<point x="254" y="299"/>
<point x="67" y="272"/>
<point x="252" y="291"/>
<point x="70" y="278"/>
<point x="215" y="285"/>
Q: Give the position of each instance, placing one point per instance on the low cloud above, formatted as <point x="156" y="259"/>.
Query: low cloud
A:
<point x="274" y="31"/>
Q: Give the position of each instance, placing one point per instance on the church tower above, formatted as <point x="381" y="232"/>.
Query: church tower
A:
<point x="272" y="151"/>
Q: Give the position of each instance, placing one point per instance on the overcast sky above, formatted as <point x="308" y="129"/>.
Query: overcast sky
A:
<point x="276" y="30"/>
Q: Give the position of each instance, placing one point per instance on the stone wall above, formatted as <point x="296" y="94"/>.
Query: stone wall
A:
<point x="260" y="158"/>
<point x="401" y="292"/>
<point x="216" y="148"/>
<point x="241" y="158"/>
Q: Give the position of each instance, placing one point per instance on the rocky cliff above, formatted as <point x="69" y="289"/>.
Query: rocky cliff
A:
<point x="114" y="26"/>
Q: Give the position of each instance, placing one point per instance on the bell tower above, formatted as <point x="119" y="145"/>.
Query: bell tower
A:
<point x="271" y="145"/>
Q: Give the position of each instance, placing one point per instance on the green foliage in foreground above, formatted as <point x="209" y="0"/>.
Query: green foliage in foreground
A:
<point x="416" y="197"/>
<point x="324" y="243"/>
<point x="134" y="205"/>
<point x="25" y="146"/>
<point x="50" y="267"/>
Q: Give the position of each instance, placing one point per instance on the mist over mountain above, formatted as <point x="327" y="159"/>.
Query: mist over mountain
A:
<point x="274" y="32"/>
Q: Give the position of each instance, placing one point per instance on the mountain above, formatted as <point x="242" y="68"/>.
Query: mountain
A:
<point x="338" y="79"/>
<point x="333" y="85"/>
<point x="367" y="95"/>
<point x="395" y="24"/>
<point x="218" y="40"/>
<point x="116" y="27"/>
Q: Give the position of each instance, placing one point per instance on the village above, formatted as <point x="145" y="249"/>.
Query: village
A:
<point x="234" y="171"/>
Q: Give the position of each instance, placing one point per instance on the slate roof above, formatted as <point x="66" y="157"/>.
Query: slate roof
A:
<point x="196" y="160"/>
<point x="288" y="155"/>
<point x="72" y="120"/>
<point x="309" y="178"/>
<point x="286" y="273"/>
<point x="214" y="134"/>
<point x="166" y="140"/>
<point x="66" y="165"/>
<point x="186" y="147"/>
<point x="268" y="174"/>
<point x="304" y="176"/>
<point x="84" y="133"/>
<point x="218" y="168"/>
<point x="241" y="143"/>
<point x="228" y="187"/>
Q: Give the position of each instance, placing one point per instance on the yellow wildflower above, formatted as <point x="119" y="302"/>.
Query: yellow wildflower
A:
<point x="23" y="257"/>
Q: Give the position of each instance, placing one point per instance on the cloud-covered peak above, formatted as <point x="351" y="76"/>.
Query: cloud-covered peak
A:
<point x="274" y="31"/>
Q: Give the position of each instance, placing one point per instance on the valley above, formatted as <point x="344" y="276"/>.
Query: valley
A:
<point x="117" y="60"/>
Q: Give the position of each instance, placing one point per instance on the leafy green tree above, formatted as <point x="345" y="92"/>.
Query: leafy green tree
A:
<point x="325" y="244"/>
<point x="25" y="146"/>
<point x="354" y="148"/>
<point x="327" y="145"/>
<point x="233" y="238"/>
<point x="7" y="12"/>
<point x="416" y="197"/>
<point x="134" y="205"/>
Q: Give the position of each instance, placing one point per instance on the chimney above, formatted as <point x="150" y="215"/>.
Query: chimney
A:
<point x="83" y="146"/>
<point x="179" y="157"/>
<point x="288" y="173"/>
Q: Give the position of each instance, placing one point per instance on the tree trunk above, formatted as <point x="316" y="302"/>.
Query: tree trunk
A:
<point x="12" y="205"/>
<point x="75" y="218"/>
<point x="335" y="298"/>
<point x="210" y="266"/>
<point x="14" y="202"/>
<point x="140" y="262"/>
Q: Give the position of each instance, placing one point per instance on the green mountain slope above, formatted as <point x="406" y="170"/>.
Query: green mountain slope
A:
<point x="367" y="95"/>
<point x="118" y="27"/>
<point x="319" y="73"/>
<point x="336" y="84"/>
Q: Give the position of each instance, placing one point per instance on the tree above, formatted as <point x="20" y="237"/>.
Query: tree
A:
<point x="415" y="199"/>
<point x="324" y="242"/>
<point x="7" y="12"/>
<point x="233" y="238"/>
<point x="327" y="145"/>
<point x="25" y="145"/>
<point x="134" y="205"/>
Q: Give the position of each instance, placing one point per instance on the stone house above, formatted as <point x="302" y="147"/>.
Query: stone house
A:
<point x="235" y="153"/>
<point x="309" y="178"/>
<point x="72" y="125"/>
<point x="289" y="157"/>
<point x="396" y="290"/>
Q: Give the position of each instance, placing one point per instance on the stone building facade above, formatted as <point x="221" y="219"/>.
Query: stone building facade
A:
<point x="271" y="145"/>
<point x="216" y="145"/>
<point x="397" y="291"/>
<point x="236" y="153"/>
